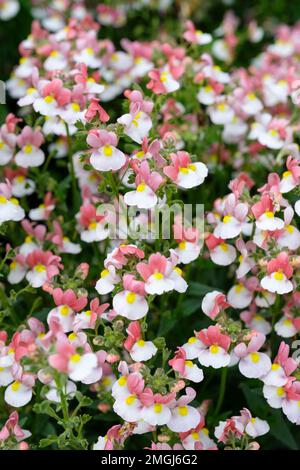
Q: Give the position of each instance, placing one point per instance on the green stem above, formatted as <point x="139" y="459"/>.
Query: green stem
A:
<point x="221" y="390"/>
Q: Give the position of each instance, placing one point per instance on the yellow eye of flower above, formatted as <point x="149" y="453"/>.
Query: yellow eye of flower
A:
<point x="15" y="386"/>
<point x="29" y="91"/>
<point x="238" y="288"/>
<point x="184" y="170"/>
<point x="279" y="276"/>
<point x="130" y="400"/>
<point x="106" y="381"/>
<point x="183" y="410"/>
<point x="164" y="77"/>
<point x="13" y="265"/>
<point x="280" y="391"/>
<point x="122" y="381"/>
<point x="89" y="51"/>
<point x="91" y="80"/>
<point x="286" y="174"/>
<point x="226" y="219"/>
<point x="290" y="229"/>
<point x="75" y="107"/>
<point x="207" y="88"/>
<point x="75" y="358"/>
<point x="275" y="366"/>
<point x="107" y="150"/>
<point x="130" y="297"/>
<point x="93" y="225"/>
<point x="3" y="199"/>
<point x="158" y="276"/>
<point x="88" y="313"/>
<point x="224" y="247"/>
<point x="205" y="431"/>
<point x="192" y="340"/>
<point x="214" y="349"/>
<point x="27" y="149"/>
<point x="273" y="132"/>
<point x="221" y="106"/>
<point x="287" y="322"/>
<point x="141" y="187"/>
<point x="269" y="214"/>
<point x="255" y="357"/>
<point x="104" y="273"/>
<point x="72" y="336"/>
<point x="49" y="99"/>
<point x="189" y="363"/>
<point x="251" y="96"/>
<point x="20" y="179"/>
<point x="178" y="270"/>
<point x="65" y="310"/>
<point x="28" y="239"/>
<point x="40" y="268"/>
<point x="140" y="154"/>
<point x="54" y="54"/>
<point x="195" y="436"/>
<point x="141" y="343"/>
<point x="157" y="408"/>
<point x="253" y="420"/>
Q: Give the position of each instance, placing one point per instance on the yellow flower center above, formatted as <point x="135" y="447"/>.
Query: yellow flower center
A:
<point x="15" y="386"/>
<point x="141" y="187"/>
<point x="178" y="270"/>
<point x="286" y="174"/>
<point x="279" y="276"/>
<point x="49" y="99"/>
<point x="157" y="408"/>
<point x="214" y="349"/>
<point x="192" y="340"/>
<point x="182" y="245"/>
<point x="75" y="107"/>
<point x="141" y="343"/>
<point x="184" y="170"/>
<point x="227" y="219"/>
<point x="107" y="150"/>
<point x="104" y="273"/>
<point x="195" y="436"/>
<point x="20" y="178"/>
<point x="158" y="276"/>
<point x="224" y="247"/>
<point x="275" y="366"/>
<point x="72" y="336"/>
<point x="65" y="310"/>
<point x="130" y="400"/>
<point x="75" y="358"/>
<point x="189" y="363"/>
<point x="238" y="288"/>
<point x="290" y="229"/>
<point x="269" y="214"/>
<point x="40" y="268"/>
<point x="122" y="381"/>
<point x="13" y="265"/>
<point x="255" y="357"/>
<point x="27" y="149"/>
<point x="280" y="391"/>
<point x="88" y="313"/>
<point x="130" y="297"/>
<point x="3" y="199"/>
<point x="183" y="410"/>
<point x="93" y="225"/>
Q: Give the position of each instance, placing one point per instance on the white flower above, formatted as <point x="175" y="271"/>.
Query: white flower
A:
<point x="107" y="281"/>
<point x="18" y="394"/>
<point x="107" y="158"/>
<point x="223" y="254"/>
<point x="193" y="347"/>
<point x="128" y="408"/>
<point x="255" y="365"/>
<point x="239" y="296"/>
<point x="184" y="418"/>
<point x="143" y="197"/>
<point x="143" y="351"/>
<point x="81" y="366"/>
<point x="136" y="126"/>
<point x="257" y="427"/>
<point x="277" y="282"/>
<point x="214" y="356"/>
<point x="10" y="210"/>
<point x="65" y="316"/>
<point x="285" y="328"/>
<point x="274" y="395"/>
<point x="157" y="414"/>
<point x="191" y="176"/>
<point x="130" y="305"/>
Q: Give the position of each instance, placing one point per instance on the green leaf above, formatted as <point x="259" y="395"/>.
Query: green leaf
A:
<point x="280" y="430"/>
